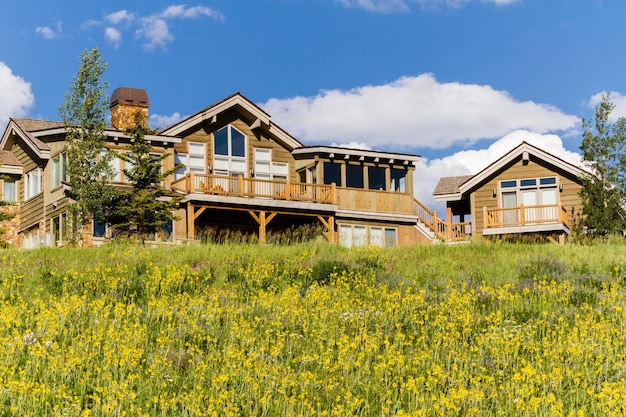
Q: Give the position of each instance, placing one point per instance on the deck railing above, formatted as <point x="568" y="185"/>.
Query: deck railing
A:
<point x="443" y="229"/>
<point x="525" y="215"/>
<point x="253" y="187"/>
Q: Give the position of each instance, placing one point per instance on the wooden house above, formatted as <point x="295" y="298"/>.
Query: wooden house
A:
<point x="527" y="191"/>
<point x="237" y="170"/>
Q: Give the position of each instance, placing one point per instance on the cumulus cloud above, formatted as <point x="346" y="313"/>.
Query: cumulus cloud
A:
<point x="389" y="6"/>
<point x="413" y="112"/>
<point x="153" y="30"/>
<point x="47" y="33"/>
<point x="468" y="162"/>
<point x="113" y="36"/>
<point x="16" y="96"/>
<point x="161" y="121"/>
<point x="618" y="100"/>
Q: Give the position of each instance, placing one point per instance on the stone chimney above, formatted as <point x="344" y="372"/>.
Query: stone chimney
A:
<point x="124" y="103"/>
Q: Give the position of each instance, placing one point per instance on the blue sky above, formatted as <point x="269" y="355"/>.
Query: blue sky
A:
<point x="457" y="81"/>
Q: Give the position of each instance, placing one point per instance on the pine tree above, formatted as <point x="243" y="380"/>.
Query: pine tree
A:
<point x="88" y="169"/>
<point x="147" y="208"/>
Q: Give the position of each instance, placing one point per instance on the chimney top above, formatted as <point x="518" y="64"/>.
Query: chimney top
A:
<point x="131" y="96"/>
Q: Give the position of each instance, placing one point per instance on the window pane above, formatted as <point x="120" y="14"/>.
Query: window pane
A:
<point x="262" y="154"/>
<point x="345" y="236"/>
<point x="398" y="180"/>
<point x="391" y="238"/>
<point x="99" y="228"/>
<point x="376" y="178"/>
<point x="56" y="172"/>
<point x="360" y="236"/>
<point x="196" y="148"/>
<point x="332" y="173"/>
<point x="547" y="181"/>
<point x="376" y="236"/>
<point x="508" y="184"/>
<point x="8" y="191"/>
<point x="354" y="176"/>
<point x="221" y="141"/>
<point x="238" y="141"/>
<point x="528" y="183"/>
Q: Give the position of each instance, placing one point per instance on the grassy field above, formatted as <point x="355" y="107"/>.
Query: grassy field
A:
<point x="314" y="330"/>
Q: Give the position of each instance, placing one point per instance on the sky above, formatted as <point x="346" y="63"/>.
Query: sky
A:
<point x="459" y="82"/>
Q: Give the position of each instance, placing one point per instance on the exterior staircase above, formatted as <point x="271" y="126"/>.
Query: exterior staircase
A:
<point x="439" y="230"/>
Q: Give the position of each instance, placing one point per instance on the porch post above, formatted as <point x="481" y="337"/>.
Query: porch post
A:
<point x="191" y="234"/>
<point x="449" y="221"/>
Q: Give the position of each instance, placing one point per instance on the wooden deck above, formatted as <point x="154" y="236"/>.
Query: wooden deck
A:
<point x="525" y="219"/>
<point x="255" y="188"/>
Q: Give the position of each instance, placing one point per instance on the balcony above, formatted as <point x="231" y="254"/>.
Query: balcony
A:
<point x="239" y="186"/>
<point x="525" y="219"/>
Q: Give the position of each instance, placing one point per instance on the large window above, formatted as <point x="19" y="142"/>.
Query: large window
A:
<point x="539" y="196"/>
<point x="351" y="236"/>
<point x="354" y="176"/>
<point x="9" y="190"/>
<point x="229" y="152"/>
<point x="376" y="178"/>
<point x="332" y="173"/>
<point x="32" y="183"/>
<point x="398" y="180"/>
<point x="59" y="169"/>
<point x="192" y="161"/>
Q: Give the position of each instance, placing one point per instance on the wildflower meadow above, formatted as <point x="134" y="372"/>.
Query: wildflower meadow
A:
<point x="314" y="330"/>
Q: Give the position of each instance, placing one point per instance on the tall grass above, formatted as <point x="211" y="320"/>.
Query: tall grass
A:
<point x="313" y="329"/>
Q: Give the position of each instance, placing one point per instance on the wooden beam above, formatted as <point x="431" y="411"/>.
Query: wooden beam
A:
<point x="199" y="212"/>
<point x="191" y="234"/>
<point x="263" y="220"/>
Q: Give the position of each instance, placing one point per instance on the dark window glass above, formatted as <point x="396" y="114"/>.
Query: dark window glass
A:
<point x="238" y="143"/>
<point x="528" y="183"/>
<point x="99" y="228"/>
<point x="354" y="176"/>
<point x="547" y="181"/>
<point x="221" y="141"/>
<point x="508" y="184"/>
<point x="376" y="178"/>
<point x="398" y="180"/>
<point x="332" y="173"/>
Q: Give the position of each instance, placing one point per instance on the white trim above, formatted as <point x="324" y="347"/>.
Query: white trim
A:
<point x="513" y="155"/>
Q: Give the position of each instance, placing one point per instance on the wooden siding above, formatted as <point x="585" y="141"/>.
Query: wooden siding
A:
<point x="255" y="139"/>
<point x="483" y="196"/>
<point x="374" y="201"/>
<point x="31" y="212"/>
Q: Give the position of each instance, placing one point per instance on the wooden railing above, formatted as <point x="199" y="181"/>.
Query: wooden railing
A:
<point x="374" y="201"/>
<point x="443" y="229"/>
<point x="252" y="187"/>
<point x="525" y="215"/>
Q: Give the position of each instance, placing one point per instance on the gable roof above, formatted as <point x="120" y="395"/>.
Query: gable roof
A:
<point x="453" y="188"/>
<point x="242" y="104"/>
<point x="27" y="130"/>
<point x="448" y="187"/>
<point x="9" y="164"/>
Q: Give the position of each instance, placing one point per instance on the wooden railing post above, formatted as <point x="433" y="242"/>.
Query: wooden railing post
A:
<point x="522" y="215"/>
<point x="190" y="182"/>
<point x="485" y="220"/>
<point x="449" y="223"/>
<point x="333" y="193"/>
<point x="240" y="184"/>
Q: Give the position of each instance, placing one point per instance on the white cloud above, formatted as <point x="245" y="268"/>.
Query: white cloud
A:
<point x="413" y="112"/>
<point x="389" y="6"/>
<point x="428" y="172"/>
<point x="49" y="33"/>
<point x="16" y="96"/>
<point x="618" y="100"/>
<point x="155" y="29"/>
<point x="120" y="17"/>
<point x="160" y="121"/>
<point x="113" y="36"/>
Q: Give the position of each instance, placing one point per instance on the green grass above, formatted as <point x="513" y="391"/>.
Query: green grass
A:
<point x="313" y="329"/>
